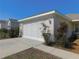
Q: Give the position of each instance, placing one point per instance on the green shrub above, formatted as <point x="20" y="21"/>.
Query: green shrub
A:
<point x="4" y="33"/>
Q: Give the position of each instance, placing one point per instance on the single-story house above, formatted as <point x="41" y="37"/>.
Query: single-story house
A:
<point x="31" y="27"/>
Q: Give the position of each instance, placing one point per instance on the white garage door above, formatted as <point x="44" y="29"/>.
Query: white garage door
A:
<point x="33" y="30"/>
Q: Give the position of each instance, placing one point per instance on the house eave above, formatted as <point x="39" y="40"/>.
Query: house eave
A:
<point x="44" y="14"/>
<point x="26" y="19"/>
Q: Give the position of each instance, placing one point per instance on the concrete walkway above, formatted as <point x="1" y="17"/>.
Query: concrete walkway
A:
<point x="15" y="45"/>
<point x="58" y="52"/>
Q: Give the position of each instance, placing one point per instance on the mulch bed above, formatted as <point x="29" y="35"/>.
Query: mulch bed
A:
<point x="32" y="53"/>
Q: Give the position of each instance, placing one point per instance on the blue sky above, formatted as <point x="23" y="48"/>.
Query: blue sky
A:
<point x="19" y="9"/>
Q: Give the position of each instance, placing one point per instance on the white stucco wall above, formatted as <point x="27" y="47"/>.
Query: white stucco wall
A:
<point x="34" y="30"/>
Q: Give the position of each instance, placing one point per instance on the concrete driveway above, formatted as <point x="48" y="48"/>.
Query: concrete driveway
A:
<point x="15" y="45"/>
<point x="12" y="46"/>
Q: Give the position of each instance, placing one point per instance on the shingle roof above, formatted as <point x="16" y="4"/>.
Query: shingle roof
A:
<point x="73" y="16"/>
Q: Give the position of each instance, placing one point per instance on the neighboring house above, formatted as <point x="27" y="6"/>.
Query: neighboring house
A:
<point x="31" y="27"/>
<point x="9" y="24"/>
<point x="3" y="24"/>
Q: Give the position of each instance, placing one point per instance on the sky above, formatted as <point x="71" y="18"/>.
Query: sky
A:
<point x="19" y="9"/>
